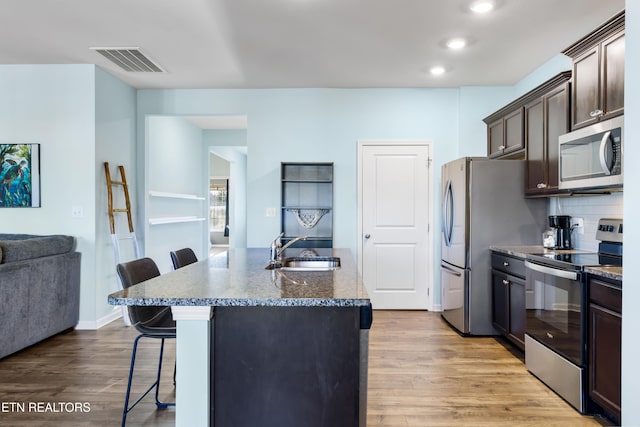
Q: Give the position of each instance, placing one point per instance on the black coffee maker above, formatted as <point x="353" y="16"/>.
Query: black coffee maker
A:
<point x="561" y="225"/>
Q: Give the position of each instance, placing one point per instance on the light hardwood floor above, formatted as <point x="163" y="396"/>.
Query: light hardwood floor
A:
<point x="421" y="373"/>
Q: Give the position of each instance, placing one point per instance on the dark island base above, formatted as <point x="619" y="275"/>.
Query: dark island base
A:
<point x="289" y="366"/>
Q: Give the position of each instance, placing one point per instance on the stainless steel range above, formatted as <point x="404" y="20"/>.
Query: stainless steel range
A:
<point x="556" y="321"/>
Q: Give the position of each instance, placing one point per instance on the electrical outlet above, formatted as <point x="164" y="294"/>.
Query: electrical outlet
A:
<point x="578" y="225"/>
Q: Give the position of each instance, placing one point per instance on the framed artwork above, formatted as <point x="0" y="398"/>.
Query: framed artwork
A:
<point x="20" y="175"/>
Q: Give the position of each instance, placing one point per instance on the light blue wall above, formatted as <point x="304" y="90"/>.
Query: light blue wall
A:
<point x="631" y="291"/>
<point x="174" y="164"/>
<point x="115" y="142"/>
<point x="225" y="138"/>
<point x="54" y="106"/>
<point x="477" y="103"/>
<point x="555" y="65"/>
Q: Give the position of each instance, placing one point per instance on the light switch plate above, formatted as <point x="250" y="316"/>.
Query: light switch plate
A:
<point x="270" y="212"/>
<point x="76" y="212"/>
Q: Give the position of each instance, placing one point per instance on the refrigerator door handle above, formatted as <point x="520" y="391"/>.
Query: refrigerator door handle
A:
<point x="444" y="211"/>
<point x="450" y="270"/>
<point x="447" y="208"/>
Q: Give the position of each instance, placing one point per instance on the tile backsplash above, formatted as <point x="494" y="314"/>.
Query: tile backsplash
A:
<point x="591" y="209"/>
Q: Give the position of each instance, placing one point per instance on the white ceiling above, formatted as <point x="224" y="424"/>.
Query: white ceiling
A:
<point x="300" y="43"/>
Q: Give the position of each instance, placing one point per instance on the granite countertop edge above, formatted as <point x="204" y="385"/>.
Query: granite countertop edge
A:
<point x="606" y="272"/>
<point x="518" y="251"/>
<point x="523" y="251"/>
<point x="243" y="302"/>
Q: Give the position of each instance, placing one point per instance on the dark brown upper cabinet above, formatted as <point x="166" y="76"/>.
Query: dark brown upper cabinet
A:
<point x="505" y="138"/>
<point x="538" y="118"/>
<point x="546" y="118"/>
<point x="598" y="74"/>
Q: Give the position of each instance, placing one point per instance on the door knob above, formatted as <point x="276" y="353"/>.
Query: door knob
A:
<point x="366" y="236"/>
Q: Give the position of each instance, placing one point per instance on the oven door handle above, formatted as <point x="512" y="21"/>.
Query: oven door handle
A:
<point x="571" y="275"/>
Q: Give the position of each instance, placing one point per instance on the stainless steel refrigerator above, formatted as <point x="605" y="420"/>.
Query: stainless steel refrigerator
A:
<point x="483" y="204"/>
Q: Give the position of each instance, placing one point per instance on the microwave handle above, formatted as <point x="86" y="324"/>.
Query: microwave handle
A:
<point x="603" y="147"/>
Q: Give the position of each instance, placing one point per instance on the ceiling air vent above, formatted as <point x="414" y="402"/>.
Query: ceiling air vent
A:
<point x="129" y="59"/>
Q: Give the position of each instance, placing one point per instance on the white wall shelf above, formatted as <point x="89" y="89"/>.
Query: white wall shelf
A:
<point x="174" y="219"/>
<point x="175" y="195"/>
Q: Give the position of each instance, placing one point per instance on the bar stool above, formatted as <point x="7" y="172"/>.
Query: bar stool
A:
<point x="183" y="257"/>
<point x="151" y="321"/>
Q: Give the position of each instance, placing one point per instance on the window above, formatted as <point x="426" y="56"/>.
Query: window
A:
<point x="218" y="218"/>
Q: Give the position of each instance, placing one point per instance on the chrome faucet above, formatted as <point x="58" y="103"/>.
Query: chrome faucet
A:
<point x="277" y="248"/>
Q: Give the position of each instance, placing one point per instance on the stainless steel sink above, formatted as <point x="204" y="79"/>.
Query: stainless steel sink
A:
<point x="311" y="264"/>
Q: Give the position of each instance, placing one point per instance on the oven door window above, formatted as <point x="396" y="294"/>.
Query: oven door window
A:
<point x="554" y="313"/>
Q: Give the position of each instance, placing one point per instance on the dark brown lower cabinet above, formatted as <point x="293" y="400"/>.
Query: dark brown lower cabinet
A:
<point x="289" y="366"/>
<point x="508" y="312"/>
<point x="605" y="339"/>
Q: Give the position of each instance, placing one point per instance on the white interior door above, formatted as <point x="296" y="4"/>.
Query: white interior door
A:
<point x="395" y="255"/>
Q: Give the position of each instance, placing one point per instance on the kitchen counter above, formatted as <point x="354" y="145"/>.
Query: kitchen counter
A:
<point x="519" y="251"/>
<point x="609" y="272"/>
<point x="523" y="251"/>
<point x="239" y="278"/>
<point x="290" y="327"/>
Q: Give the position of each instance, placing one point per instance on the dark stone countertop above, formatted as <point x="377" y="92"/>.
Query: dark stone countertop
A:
<point x="519" y="251"/>
<point x="523" y="251"/>
<point x="239" y="278"/>
<point x="609" y="272"/>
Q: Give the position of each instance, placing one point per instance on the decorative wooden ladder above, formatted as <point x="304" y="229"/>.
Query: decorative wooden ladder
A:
<point x="115" y="238"/>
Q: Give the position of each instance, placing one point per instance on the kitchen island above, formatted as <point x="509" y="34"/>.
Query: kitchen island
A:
<point x="258" y="346"/>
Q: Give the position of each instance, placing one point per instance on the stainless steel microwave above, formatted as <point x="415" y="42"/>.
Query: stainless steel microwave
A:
<point x="591" y="158"/>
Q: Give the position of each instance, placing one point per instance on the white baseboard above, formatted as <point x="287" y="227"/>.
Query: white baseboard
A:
<point x="104" y="320"/>
<point x="436" y="307"/>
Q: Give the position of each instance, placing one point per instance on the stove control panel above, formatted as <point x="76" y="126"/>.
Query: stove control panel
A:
<point x="609" y="230"/>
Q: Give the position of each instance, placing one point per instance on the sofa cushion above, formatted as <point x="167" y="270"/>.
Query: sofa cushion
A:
<point x="18" y="247"/>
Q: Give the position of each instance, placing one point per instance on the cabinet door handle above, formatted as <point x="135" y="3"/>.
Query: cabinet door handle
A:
<point x="505" y="282"/>
<point x="541" y="185"/>
<point x="366" y="236"/>
<point x="596" y="113"/>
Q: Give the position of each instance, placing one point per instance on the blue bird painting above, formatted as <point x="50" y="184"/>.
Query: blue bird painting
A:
<point x="16" y="189"/>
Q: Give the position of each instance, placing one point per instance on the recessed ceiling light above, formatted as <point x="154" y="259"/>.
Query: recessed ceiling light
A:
<point x="481" y="6"/>
<point x="436" y="71"/>
<point x="456" y="43"/>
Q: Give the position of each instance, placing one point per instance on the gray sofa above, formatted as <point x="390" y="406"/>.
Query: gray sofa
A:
<point x="39" y="289"/>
